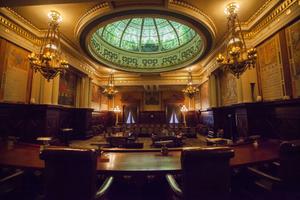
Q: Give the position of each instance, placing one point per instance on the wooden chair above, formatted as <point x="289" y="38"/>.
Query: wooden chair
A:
<point x="66" y="134"/>
<point x="10" y="183"/>
<point x="286" y="183"/>
<point x="205" y="174"/>
<point x="70" y="174"/>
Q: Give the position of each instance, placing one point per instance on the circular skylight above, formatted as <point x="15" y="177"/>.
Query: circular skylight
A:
<point x="145" y="44"/>
<point x="146" y="34"/>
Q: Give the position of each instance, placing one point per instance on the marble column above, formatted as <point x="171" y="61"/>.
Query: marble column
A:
<point x="46" y="91"/>
<point x="82" y="92"/>
<point x="90" y="93"/>
<point x="55" y="90"/>
<point x="218" y="91"/>
<point x="35" y="88"/>
<point x="239" y="90"/>
<point x="213" y="93"/>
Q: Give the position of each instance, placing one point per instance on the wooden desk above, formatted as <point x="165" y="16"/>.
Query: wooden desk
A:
<point x="140" y="161"/>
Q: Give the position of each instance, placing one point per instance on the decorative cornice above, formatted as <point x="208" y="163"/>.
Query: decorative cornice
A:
<point x="94" y="9"/>
<point x="9" y="24"/>
<point x="90" y="15"/>
<point x="258" y="12"/>
<point x="21" y="19"/>
<point x="197" y="10"/>
<point x="279" y="10"/>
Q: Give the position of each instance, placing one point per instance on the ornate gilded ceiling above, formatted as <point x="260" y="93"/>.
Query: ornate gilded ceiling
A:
<point x="83" y="18"/>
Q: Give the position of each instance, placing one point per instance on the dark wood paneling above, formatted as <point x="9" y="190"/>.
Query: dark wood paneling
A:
<point x="29" y="121"/>
<point x="277" y="119"/>
<point x="191" y="118"/>
<point x="152" y="117"/>
<point x="105" y="118"/>
<point x="207" y="118"/>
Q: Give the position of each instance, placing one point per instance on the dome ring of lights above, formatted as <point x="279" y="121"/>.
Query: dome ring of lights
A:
<point x="146" y="43"/>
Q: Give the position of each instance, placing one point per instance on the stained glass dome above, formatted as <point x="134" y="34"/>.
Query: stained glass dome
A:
<point x="145" y="44"/>
<point x="146" y="34"/>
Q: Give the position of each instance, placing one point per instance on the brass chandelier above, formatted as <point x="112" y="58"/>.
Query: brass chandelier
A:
<point x="49" y="60"/>
<point x="110" y="90"/>
<point x="190" y="90"/>
<point x="238" y="58"/>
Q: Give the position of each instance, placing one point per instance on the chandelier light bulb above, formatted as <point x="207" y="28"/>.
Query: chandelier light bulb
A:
<point x="231" y="8"/>
<point x="116" y="109"/>
<point x="55" y="16"/>
<point x="183" y="109"/>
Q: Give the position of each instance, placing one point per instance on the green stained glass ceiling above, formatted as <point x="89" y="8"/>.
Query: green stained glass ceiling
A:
<point x="145" y="44"/>
<point x="146" y="34"/>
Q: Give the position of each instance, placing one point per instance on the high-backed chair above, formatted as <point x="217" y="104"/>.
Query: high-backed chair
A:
<point x="287" y="181"/>
<point x="205" y="174"/>
<point x="70" y="174"/>
<point x="66" y="134"/>
<point x="10" y="183"/>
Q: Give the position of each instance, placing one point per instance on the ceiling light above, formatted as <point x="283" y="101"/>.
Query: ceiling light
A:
<point x="49" y="61"/>
<point x="238" y="58"/>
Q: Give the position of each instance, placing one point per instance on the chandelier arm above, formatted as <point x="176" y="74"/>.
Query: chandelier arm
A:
<point x="59" y="44"/>
<point x="242" y="35"/>
<point x="49" y="62"/>
<point x="44" y="43"/>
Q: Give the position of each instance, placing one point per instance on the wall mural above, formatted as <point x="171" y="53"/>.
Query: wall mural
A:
<point x="67" y="88"/>
<point x="293" y="42"/>
<point x="270" y="69"/>
<point x="204" y="96"/>
<point x="228" y="89"/>
<point x="16" y="73"/>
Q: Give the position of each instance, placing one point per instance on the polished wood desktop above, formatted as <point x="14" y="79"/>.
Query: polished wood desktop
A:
<point x="140" y="161"/>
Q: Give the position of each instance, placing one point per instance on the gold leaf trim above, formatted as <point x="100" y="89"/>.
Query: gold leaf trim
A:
<point x="19" y="30"/>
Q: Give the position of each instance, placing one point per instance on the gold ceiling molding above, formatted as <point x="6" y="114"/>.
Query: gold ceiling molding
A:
<point x="17" y="16"/>
<point x="95" y="8"/>
<point x="204" y="17"/>
<point x="281" y="9"/>
<point x="257" y="13"/>
<point x="10" y="25"/>
<point x="90" y="15"/>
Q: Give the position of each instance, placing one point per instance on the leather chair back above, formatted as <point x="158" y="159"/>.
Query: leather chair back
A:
<point x="70" y="174"/>
<point x="206" y="173"/>
<point x="289" y="154"/>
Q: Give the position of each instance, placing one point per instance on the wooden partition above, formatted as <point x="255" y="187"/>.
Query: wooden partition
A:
<point x="104" y="118"/>
<point x="29" y="121"/>
<point x="277" y="119"/>
<point x="152" y="117"/>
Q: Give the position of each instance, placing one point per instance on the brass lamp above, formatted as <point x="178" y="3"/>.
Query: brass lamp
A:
<point x="110" y="90"/>
<point x="184" y="110"/>
<point x="238" y="58"/>
<point x="190" y="90"/>
<point x="117" y="111"/>
<point x="49" y="61"/>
